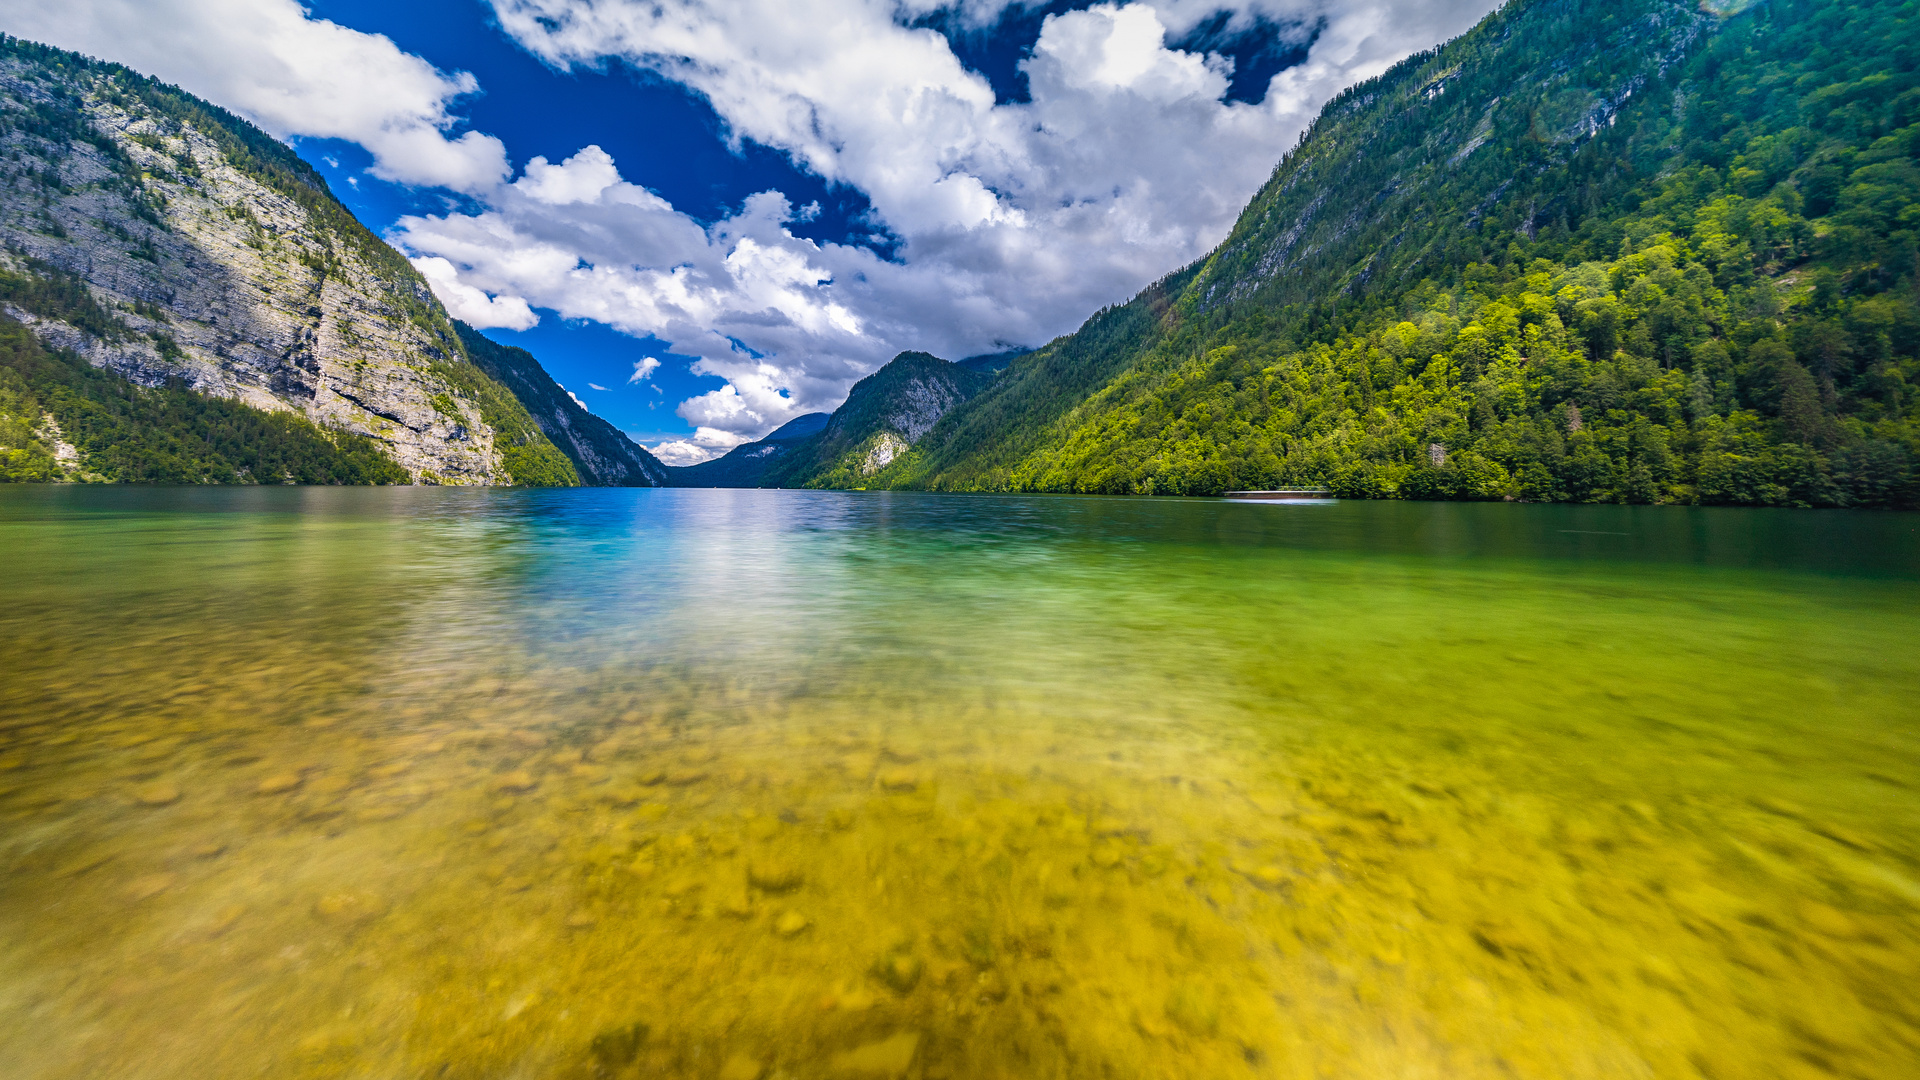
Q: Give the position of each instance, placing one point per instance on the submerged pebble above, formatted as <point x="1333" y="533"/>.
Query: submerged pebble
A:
<point x="158" y="794"/>
<point x="774" y="877"/>
<point x="348" y="908"/>
<point x="618" y="1046"/>
<point x="513" y="783"/>
<point x="884" y="1060"/>
<point x="899" y="779"/>
<point x="278" y="784"/>
<point x="148" y="886"/>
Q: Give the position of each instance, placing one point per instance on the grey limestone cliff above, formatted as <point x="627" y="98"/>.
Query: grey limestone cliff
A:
<point x="228" y="267"/>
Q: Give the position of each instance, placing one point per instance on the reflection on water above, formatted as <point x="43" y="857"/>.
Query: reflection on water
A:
<point x="750" y="784"/>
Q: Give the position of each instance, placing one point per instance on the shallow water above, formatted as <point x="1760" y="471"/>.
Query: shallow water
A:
<point x="743" y="784"/>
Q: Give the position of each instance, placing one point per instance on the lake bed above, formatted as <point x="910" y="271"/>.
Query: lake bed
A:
<point x="752" y="784"/>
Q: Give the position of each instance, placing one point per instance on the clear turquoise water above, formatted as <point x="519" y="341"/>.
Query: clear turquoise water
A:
<point x="337" y="783"/>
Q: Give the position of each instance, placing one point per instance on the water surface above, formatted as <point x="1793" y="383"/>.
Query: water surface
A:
<point x="744" y="784"/>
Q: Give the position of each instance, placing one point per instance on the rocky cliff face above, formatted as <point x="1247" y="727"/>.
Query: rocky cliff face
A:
<point x="884" y="415"/>
<point x="222" y="262"/>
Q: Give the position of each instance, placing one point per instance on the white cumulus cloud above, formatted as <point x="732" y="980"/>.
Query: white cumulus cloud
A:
<point x="472" y="305"/>
<point x="643" y="369"/>
<point x="705" y="445"/>
<point x="288" y="72"/>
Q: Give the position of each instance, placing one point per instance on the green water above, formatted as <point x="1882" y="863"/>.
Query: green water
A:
<point x="334" y="783"/>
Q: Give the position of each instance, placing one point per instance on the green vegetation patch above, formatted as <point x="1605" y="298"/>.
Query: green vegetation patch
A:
<point x="530" y="459"/>
<point x="1586" y="253"/>
<point x="53" y="293"/>
<point x="170" y="435"/>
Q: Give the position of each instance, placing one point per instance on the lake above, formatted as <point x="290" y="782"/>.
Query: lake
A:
<point x="763" y="784"/>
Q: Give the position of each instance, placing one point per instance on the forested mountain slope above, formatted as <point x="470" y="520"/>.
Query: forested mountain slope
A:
<point x="746" y="465"/>
<point x="1631" y="251"/>
<point x="600" y="452"/>
<point x="883" y="416"/>
<point x="157" y="246"/>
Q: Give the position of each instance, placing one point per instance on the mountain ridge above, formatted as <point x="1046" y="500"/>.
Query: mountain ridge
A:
<point x="601" y="453"/>
<point x="1624" y="252"/>
<point x="198" y="253"/>
<point x="883" y="416"/>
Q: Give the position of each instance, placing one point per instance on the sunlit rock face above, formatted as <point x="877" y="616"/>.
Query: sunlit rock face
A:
<point x="228" y="266"/>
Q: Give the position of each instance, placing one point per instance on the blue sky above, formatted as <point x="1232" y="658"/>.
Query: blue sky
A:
<point x="770" y="198"/>
<point x="667" y="136"/>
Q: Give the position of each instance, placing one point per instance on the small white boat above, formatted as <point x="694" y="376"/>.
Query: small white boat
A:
<point x="1284" y="495"/>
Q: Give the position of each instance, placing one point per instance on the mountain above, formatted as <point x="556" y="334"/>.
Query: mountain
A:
<point x="745" y="465"/>
<point x="883" y="416"/>
<point x="988" y="363"/>
<point x="1634" y="251"/>
<point x="183" y="300"/>
<point x="600" y="452"/>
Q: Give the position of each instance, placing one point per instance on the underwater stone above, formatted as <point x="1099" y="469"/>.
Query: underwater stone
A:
<point x="348" y="908"/>
<point x="515" y="781"/>
<point x="274" y="785"/>
<point x="161" y="794"/>
<point x="774" y="877"/>
<point x="742" y="1067"/>
<point x="790" y="924"/>
<point x="1194" y="1009"/>
<point x="330" y="785"/>
<point x="901" y="971"/>
<point x="899" y="779"/>
<point x="883" y="1060"/>
<point x="148" y="887"/>
<point x="619" y="1046"/>
<point x="1268" y="876"/>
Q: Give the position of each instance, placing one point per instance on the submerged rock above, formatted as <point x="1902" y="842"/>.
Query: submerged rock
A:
<point x="883" y="1060"/>
<point x="159" y="794"/>
<point x="618" y="1046"/>
<point x="348" y="908"/>
<point x="148" y="887"/>
<point x="514" y="782"/>
<point x="901" y="971"/>
<point x="774" y="877"/>
<point x="278" y="784"/>
<point x="899" y="779"/>
<point x="791" y="923"/>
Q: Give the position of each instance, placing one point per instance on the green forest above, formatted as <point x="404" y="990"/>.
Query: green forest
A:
<point x="1629" y="253"/>
<point x="127" y="433"/>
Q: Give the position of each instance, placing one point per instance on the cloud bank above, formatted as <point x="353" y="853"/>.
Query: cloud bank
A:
<point x="287" y="72"/>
